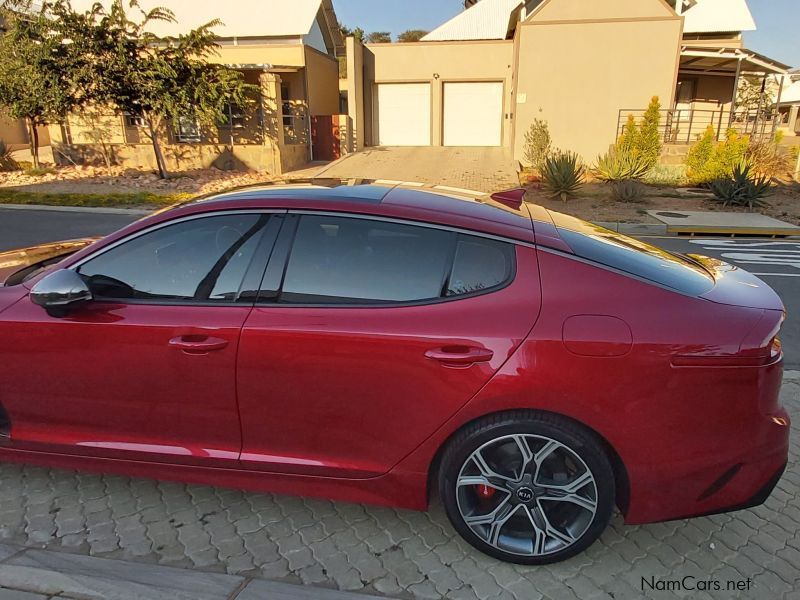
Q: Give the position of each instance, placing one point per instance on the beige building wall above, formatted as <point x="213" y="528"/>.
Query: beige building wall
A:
<point x="13" y="131"/>
<point x="355" y="94"/>
<point x="437" y="63"/>
<point x="322" y="77"/>
<point x="291" y="55"/>
<point x="581" y="10"/>
<point x="578" y="68"/>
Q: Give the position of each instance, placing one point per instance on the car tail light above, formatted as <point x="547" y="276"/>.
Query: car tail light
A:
<point x="775" y="349"/>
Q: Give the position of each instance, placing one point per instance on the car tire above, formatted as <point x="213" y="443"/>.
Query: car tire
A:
<point x="526" y="487"/>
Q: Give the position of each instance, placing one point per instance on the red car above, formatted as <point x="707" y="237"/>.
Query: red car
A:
<point x="380" y="344"/>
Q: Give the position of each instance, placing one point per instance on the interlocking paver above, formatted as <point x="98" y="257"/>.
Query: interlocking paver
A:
<point x="402" y="554"/>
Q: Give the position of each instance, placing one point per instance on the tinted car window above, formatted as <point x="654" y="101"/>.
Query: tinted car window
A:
<point x="201" y="260"/>
<point x="479" y="264"/>
<point x="633" y="256"/>
<point x="352" y="260"/>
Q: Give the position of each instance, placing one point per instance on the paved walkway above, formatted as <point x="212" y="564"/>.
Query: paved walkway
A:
<point x="480" y="169"/>
<point x="229" y="537"/>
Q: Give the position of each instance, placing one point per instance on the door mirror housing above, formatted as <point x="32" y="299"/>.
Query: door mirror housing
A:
<point x="61" y="291"/>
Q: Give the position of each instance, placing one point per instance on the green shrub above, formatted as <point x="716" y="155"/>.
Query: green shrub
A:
<point x="628" y="190"/>
<point x="643" y="140"/>
<point x="666" y="175"/>
<point x="741" y="188"/>
<point x="708" y="161"/>
<point x="562" y="175"/>
<point x="629" y="140"/>
<point x="538" y="144"/>
<point x="699" y="155"/>
<point x="648" y="145"/>
<point x="617" y="165"/>
<point x="39" y="172"/>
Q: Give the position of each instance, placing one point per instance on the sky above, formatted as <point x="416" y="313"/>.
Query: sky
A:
<point x="777" y="21"/>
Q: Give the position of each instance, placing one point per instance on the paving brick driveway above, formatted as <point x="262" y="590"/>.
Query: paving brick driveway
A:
<point x="397" y="553"/>
<point x="481" y="169"/>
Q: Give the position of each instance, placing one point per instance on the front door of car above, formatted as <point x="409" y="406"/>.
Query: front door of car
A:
<point x="369" y="334"/>
<point x="146" y="370"/>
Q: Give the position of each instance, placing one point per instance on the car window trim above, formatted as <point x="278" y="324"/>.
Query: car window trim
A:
<point x="156" y="227"/>
<point x="292" y="221"/>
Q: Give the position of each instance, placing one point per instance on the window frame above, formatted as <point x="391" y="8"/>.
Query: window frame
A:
<point x="182" y="137"/>
<point x="275" y="273"/>
<point x="254" y="272"/>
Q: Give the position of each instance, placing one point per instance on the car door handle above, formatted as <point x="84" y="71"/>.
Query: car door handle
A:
<point x="198" y="344"/>
<point x="460" y="356"/>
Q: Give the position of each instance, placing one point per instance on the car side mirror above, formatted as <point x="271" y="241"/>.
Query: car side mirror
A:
<point x="61" y="291"/>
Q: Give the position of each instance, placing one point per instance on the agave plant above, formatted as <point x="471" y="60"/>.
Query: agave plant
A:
<point x="742" y="187"/>
<point x="627" y="190"/>
<point x="562" y="175"/>
<point x="618" y="165"/>
<point x="7" y="163"/>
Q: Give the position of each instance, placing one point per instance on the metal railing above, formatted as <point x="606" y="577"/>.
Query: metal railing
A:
<point x="687" y="125"/>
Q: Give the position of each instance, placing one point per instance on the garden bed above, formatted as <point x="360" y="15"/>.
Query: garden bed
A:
<point x="594" y="203"/>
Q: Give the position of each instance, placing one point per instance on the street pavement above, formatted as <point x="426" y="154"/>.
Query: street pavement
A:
<point x="84" y="536"/>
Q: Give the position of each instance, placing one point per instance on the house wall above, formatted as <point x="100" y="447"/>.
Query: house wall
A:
<point x="421" y="62"/>
<point x="355" y="94"/>
<point x="572" y="10"/>
<point x="322" y="77"/>
<point x="713" y="92"/>
<point x="13" y="131"/>
<point x="579" y="64"/>
<point x="292" y="55"/>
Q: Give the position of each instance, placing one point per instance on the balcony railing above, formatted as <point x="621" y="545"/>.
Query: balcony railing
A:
<point x="687" y="125"/>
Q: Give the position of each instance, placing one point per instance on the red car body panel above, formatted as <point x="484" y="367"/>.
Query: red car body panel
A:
<point x="349" y="392"/>
<point x="99" y="397"/>
<point x="342" y="402"/>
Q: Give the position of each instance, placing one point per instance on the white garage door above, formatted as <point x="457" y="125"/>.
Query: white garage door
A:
<point x="403" y="114"/>
<point x="473" y="114"/>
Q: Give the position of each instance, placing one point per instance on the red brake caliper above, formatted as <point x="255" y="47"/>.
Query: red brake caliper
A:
<point x="485" y="492"/>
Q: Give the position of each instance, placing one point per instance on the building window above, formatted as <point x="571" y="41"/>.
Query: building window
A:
<point x="134" y="121"/>
<point x="234" y="117"/>
<point x="187" y="130"/>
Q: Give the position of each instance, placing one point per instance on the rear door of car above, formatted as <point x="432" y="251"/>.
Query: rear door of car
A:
<point x="369" y="334"/>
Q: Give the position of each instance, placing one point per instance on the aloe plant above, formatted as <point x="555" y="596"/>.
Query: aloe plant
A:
<point x="627" y="190"/>
<point x="618" y="165"/>
<point x="562" y="175"/>
<point x="742" y="187"/>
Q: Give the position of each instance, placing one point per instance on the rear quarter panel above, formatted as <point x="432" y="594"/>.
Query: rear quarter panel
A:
<point x="666" y="423"/>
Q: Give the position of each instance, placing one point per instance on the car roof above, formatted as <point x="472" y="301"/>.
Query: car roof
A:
<point x="442" y="205"/>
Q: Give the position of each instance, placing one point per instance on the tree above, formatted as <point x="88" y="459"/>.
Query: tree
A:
<point x="161" y="81"/>
<point x="43" y="75"/>
<point x="412" y="35"/>
<point x="755" y="92"/>
<point x="379" y="37"/>
<point x="357" y="33"/>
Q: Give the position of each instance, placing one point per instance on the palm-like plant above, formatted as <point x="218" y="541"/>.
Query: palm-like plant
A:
<point x="7" y="162"/>
<point x="742" y="187"/>
<point x="617" y="165"/>
<point x="563" y="174"/>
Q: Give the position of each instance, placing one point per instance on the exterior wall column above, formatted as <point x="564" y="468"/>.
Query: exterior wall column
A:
<point x="272" y="116"/>
<point x="794" y="112"/>
<point x="355" y="95"/>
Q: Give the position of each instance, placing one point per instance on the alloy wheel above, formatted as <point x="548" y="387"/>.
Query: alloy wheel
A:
<point x="528" y="495"/>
